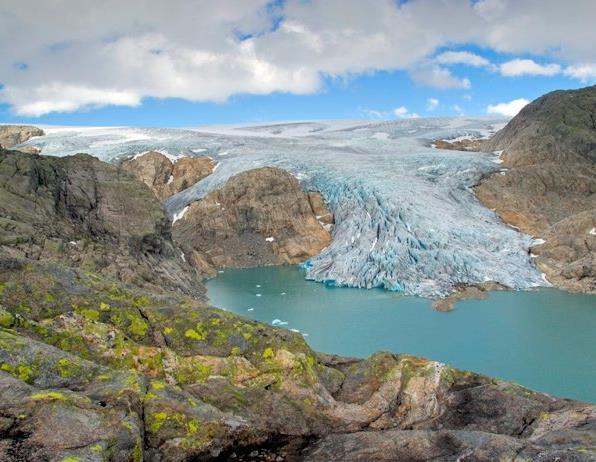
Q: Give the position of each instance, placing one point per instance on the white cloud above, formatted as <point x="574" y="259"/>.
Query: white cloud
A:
<point x="518" y="67"/>
<point x="63" y="98"/>
<point x="462" y="57"/>
<point x="77" y="53"/>
<point x="432" y="104"/>
<point x="509" y="109"/>
<point x="403" y="113"/>
<point x="584" y="72"/>
<point x="438" y="77"/>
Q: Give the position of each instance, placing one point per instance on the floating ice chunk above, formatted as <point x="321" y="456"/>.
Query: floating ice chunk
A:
<point x="179" y="215"/>
<point x="258" y="295"/>
<point x="258" y="285"/>
<point x="592" y="232"/>
<point x="283" y="293"/>
<point x="304" y="334"/>
<point x="270" y="239"/>
<point x="278" y="322"/>
<point x="198" y="150"/>
<point x="250" y="309"/>
<point x="220" y="271"/>
<point x="295" y="330"/>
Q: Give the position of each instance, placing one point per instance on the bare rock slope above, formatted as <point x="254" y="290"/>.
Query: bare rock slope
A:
<point x="97" y="367"/>
<point x="549" y="189"/>
<point x="166" y="178"/>
<point x="90" y="214"/>
<point x="13" y="135"/>
<point x="259" y="217"/>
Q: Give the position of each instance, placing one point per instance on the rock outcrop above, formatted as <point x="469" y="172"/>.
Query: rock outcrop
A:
<point x="13" y="135"/>
<point x="472" y="144"/>
<point x="166" y="178"/>
<point x="90" y="214"/>
<point x="259" y="217"/>
<point x="549" y="187"/>
<point x="97" y="367"/>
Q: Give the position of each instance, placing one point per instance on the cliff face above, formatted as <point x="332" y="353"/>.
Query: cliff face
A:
<point x="549" y="188"/>
<point x="12" y="135"/>
<point x="259" y="217"/>
<point x="89" y="214"/>
<point x="166" y="178"/>
<point x="95" y="366"/>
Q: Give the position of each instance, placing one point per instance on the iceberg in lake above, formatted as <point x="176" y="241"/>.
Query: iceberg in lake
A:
<point x="406" y="217"/>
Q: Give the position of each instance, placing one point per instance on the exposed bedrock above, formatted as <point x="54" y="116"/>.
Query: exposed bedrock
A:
<point x="90" y="214"/>
<point x="166" y="177"/>
<point x="549" y="187"/>
<point x="95" y="366"/>
<point x="13" y="135"/>
<point x="258" y="217"/>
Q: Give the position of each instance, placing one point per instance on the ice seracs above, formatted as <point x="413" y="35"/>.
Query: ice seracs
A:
<point x="386" y="193"/>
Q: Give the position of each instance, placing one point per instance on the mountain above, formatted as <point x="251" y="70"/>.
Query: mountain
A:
<point x="549" y="187"/>
<point x="13" y="135"/>
<point x="108" y="351"/>
<point x="167" y="177"/>
<point x="258" y="217"/>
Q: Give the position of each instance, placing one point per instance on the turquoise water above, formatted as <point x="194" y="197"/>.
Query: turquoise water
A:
<point x="543" y="339"/>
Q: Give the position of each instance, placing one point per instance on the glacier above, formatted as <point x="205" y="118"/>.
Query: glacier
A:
<point x="406" y="218"/>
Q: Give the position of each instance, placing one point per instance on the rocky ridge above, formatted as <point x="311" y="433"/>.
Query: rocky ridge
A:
<point x="88" y="214"/>
<point x="166" y="177"/>
<point x="549" y="187"/>
<point x="258" y="217"/>
<point x="95" y="367"/>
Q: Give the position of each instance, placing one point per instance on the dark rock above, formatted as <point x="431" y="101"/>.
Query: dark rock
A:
<point x="91" y="213"/>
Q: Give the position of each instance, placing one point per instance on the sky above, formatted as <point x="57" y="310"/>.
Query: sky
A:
<point x="182" y="63"/>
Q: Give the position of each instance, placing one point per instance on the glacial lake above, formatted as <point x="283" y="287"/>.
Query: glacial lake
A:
<point x="544" y="339"/>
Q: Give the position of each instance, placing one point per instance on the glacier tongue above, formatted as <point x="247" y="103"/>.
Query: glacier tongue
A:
<point x="406" y="218"/>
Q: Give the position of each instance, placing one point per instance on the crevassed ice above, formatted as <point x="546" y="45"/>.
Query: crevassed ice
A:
<point x="406" y="217"/>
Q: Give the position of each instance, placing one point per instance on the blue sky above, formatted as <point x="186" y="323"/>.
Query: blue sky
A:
<point x="357" y="98"/>
<point x="236" y="61"/>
